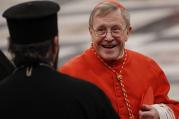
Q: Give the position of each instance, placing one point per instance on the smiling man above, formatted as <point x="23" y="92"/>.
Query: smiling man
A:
<point x="135" y="84"/>
<point x="109" y="33"/>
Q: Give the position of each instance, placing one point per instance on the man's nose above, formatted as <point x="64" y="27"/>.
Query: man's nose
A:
<point x="109" y="36"/>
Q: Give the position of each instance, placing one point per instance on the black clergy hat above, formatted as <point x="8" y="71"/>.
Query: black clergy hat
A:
<point x="32" y="22"/>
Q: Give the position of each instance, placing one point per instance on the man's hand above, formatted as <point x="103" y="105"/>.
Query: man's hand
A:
<point x="148" y="112"/>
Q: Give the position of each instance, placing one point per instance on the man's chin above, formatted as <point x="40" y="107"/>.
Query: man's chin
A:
<point x="107" y="58"/>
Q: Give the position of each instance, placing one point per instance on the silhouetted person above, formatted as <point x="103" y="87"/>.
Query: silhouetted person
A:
<point x="36" y="89"/>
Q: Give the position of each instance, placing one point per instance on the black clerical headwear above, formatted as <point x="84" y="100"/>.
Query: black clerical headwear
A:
<point x="32" y="22"/>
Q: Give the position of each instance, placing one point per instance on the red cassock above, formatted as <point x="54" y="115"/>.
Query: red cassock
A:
<point x="143" y="80"/>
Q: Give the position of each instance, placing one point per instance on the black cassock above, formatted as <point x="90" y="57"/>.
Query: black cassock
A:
<point x="50" y="94"/>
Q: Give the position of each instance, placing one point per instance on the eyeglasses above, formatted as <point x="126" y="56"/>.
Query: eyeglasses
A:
<point x="115" y="32"/>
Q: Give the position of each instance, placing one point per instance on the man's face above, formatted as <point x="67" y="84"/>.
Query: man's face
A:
<point x="109" y="34"/>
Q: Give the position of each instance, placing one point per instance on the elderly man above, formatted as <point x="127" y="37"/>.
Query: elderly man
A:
<point x="135" y="84"/>
<point x="35" y="89"/>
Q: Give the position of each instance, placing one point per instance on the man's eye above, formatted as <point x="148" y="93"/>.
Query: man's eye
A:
<point x="116" y="30"/>
<point x="100" y="29"/>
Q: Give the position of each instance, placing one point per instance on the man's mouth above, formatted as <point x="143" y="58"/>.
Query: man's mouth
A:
<point x="109" y="46"/>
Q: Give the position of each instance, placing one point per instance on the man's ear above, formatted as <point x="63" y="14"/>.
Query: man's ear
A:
<point x="90" y="30"/>
<point x="55" y="46"/>
<point x="129" y="30"/>
<point x="55" y="51"/>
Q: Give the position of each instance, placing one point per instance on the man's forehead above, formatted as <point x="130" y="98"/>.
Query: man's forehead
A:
<point x="108" y="21"/>
<point x="110" y="15"/>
